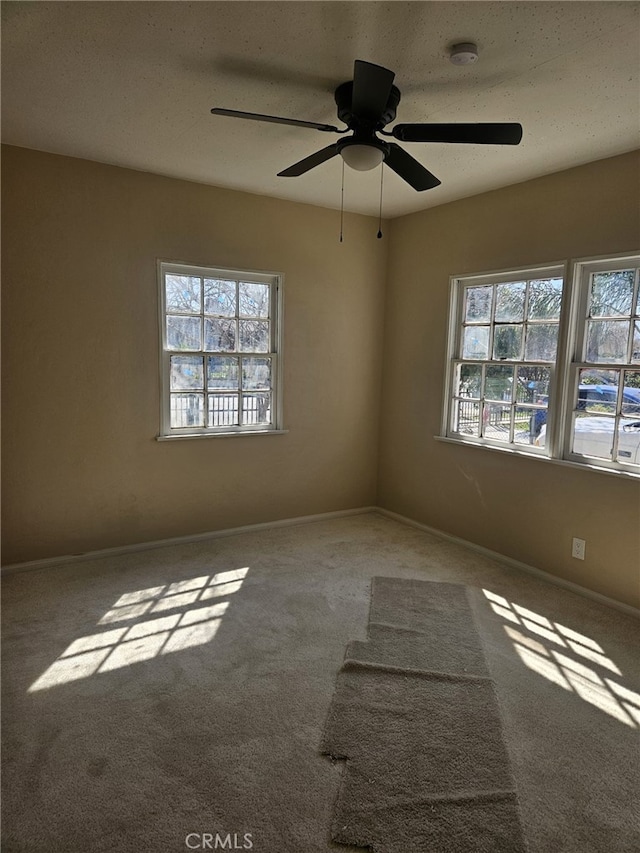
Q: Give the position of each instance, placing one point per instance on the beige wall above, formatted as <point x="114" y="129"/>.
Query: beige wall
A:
<point x="520" y="507"/>
<point x="81" y="467"/>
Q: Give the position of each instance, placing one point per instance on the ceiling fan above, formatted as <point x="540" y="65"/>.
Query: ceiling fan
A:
<point x="366" y="105"/>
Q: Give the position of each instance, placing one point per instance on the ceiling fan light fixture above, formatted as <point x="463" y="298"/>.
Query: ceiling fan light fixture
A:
<point x="362" y="158"/>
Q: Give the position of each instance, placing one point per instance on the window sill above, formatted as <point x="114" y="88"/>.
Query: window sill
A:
<point x="628" y="475"/>
<point x="236" y="434"/>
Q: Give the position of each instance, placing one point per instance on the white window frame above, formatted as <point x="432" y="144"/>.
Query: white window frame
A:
<point x="575" y="359"/>
<point x="275" y="282"/>
<point x="456" y="305"/>
<point x="569" y="360"/>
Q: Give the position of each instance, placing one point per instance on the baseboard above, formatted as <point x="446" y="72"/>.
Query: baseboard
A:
<point x="515" y="564"/>
<point x="182" y="540"/>
<point x="323" y="516"/>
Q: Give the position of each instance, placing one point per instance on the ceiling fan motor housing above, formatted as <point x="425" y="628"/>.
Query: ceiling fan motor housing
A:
<point x="344" y="97"/>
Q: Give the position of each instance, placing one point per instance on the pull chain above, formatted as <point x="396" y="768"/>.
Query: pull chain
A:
<point x="380" y="215"/>
<point x="342" y="202"/>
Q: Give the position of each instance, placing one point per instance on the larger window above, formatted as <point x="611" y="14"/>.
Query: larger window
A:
<point x="546" y="369"/>
<point x="220" y="351"/>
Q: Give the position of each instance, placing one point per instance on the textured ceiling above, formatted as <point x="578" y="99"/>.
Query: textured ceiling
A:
<point x="132" y="83"/>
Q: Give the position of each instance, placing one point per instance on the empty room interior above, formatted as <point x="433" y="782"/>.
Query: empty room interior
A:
<point x="321" y="427"/>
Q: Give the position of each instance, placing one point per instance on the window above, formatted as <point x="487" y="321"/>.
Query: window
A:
<point x="540" y="370"/>
<point x="505" y="350"/>
<point x="220" y="355"/>
<point x="604" y="376"/>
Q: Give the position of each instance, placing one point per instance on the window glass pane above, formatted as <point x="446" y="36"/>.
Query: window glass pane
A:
<point x="598" y="391"/>
<point x="537" y="423"/>
<point x="541" y="342"/>
<point x="631" y="393"/>
<point x="607" y="340"/>
<point x="524" y="418"/>
<point x="222" y="373"/>
<point x="254" y="299"/>
<point x="256" y="373"/>
<point x="222" y="410"/>
<point x="533" y="385"/>
<point x="597" y="403"/>
<point x="183" y="293"/>
<point x="183" y="332"/>
<point x="475" y="342"/>
<point x="611" y="293"/>
<point x="599" y="376"/>
<point x="545" y="298"/>
<point x="256" y="408"/>
<point x="510" y="301"/>
<point x="507" y="342"/>
<point x="219" y="297"/>
<point x="496" y="421"/>
<point x="187" y="410"/>
<point x="467" y="418"/>
<point x="593" y="435"/>
<point x="468" y="380"/>
<point x="629" y="441"/>
<point x="635" y="350"/>
<point x="219" y="335"/>
<point x="254" y="336"/>
<point x="498" y="382"/>
<point x="478" y="304"/>
<point x="186" y="373"/>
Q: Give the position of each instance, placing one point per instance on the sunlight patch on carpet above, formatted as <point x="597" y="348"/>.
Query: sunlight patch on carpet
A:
<point x="144" y="639"/>
<point x="570" y="673"/>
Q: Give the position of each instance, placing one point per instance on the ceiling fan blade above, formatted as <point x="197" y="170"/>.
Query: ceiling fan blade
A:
<point x="409" y="169"/>
<point x="371" y="89"/>
<point x="310" y="162"/>
<point x="496" y="133"/>
<point x="218" y="111"/>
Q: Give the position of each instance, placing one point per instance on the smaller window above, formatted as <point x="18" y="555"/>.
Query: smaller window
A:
<point x="220" y="359"/>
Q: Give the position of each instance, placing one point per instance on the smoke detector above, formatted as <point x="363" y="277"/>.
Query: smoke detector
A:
<point x="463" y="54"/>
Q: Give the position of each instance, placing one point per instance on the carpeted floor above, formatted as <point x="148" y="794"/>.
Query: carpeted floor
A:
<point x="174" y="699"/>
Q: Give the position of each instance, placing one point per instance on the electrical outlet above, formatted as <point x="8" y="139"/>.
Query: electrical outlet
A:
<point x="578" y="549"/>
